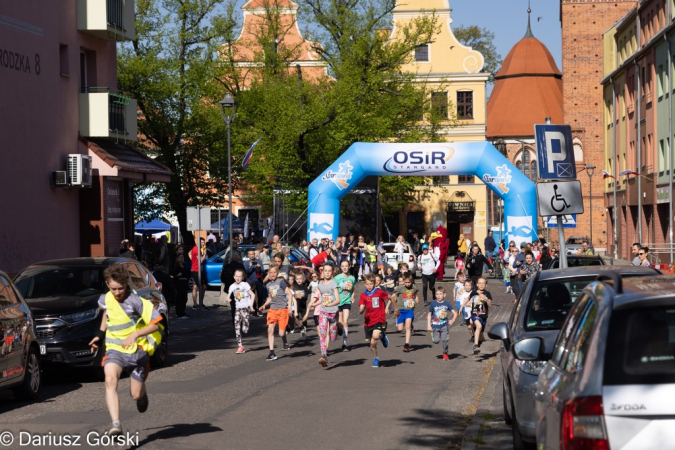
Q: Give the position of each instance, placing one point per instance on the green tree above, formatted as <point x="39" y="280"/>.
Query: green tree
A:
<point x="481" y="40"/>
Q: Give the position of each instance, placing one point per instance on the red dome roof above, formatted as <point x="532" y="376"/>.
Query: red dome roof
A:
<point x="528" y="88"/>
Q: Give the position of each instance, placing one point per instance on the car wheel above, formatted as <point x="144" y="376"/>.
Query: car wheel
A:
<point x="161" y="354"/>
<point x="518" y="442"/>
<point x="507" y="417"/>
<point x="32" y="378"/>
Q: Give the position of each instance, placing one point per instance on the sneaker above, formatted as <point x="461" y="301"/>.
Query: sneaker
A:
<point x="446" y="357"/>
<point x="426" y="303"/>
<point x="195" y="307"/>
<point x="345" y="348"/>
<point x="323" y="361"/>
<point x="142" y="403"/>
<point x="183" y="317"/>
<point x="115" y="430"/>
<point x="385" y="341"/>
<point x="471" y="339"/>
<point x="476" y="349"/>
<point x="272" y="357"/>
<point x="292" y="331"/>
<point x="303" y="332"/>
<point x="340" y="329"/>
<point x="406" y="348"/>
<point x="376" y="363"/>
<point x="286" y="347"/>
<point x="240" y="350"/>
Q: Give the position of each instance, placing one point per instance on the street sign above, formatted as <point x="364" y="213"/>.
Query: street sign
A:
<point x="555" y="152"/>
<point x="559" y="198"/>
<point x="568" y="221"/>
<point x="193" y="222"/>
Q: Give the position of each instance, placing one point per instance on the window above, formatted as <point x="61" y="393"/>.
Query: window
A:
<point x="526" y="162"/>
<point x="215" y="216"/>
<point x="422" y="52"/>
<point x="551" y="302"/>
<point x="63" y="60"/>
<point x="567" y="334"/>
<point x="440" y="180"/>
<point x="137" y="278"/>
<point x="578" y="351"/>
<point x="465" y="105"/>
<point x="466" y="179"/>
<point x="578" y="149"/>
<point x="439" y="104"/>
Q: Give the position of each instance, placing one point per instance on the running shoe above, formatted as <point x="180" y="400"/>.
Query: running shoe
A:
<point x="385" y="340"/>
<point x="272" y="357"/>
<point x="292" y="331"/>
<point x="446" y="357"/>
<point x="345" y="348"/>
<point x="406" y="348"/>
<point x="240" y="350"/>
<point x="323" y="361"/>
<point x="115" y="430"/>
<point x="340" y="329"/>
<point x="476" y="349"/>
<point x="303" y="332"/>
<point x="376" y="363"/>
<point x="142" y="403"/>
<point x="286" y="347"/>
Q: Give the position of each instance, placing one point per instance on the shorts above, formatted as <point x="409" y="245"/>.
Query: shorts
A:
<point x="381" y="327"/>
<point x="458" y="305"/>
<point x="279" y="316"/>
<point x="195" y="277"/>
<point x="347" y="306"/>
<point x="481" y="320"/>
<point x="316" y="321"/>
<point x="137" y="365"/>
<point x="404" y="315"/>
<point x="467" y="321"/>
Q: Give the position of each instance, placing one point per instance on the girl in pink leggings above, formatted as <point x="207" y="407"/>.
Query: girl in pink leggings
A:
<point x="326" y="294"/>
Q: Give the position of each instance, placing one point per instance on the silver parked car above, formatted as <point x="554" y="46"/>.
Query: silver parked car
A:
<point x="610" y="382"/>
<point x="539" y="313"/>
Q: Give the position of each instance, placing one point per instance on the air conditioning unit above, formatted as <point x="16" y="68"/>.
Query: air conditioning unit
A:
<point x="59" y="178"/>
<point x="79" y="170"/>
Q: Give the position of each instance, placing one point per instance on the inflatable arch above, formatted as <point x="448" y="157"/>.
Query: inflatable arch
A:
<point x="481" y="159"/>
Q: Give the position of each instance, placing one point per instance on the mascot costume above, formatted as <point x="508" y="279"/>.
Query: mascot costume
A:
<point x="440" y="243"/>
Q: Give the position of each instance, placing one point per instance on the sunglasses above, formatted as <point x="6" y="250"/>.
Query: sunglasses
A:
<point x="642" y="253"/>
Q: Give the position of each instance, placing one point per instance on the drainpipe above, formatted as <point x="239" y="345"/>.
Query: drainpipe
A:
<point x="670" y="143"/>
<point x="639" y="149"/>
<point x="616" y="224"/>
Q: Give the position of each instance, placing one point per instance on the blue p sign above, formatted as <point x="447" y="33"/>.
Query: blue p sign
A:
<point x="555" y="152"/>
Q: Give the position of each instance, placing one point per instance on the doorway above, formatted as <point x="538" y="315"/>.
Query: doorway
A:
<point x="453" y="236"/>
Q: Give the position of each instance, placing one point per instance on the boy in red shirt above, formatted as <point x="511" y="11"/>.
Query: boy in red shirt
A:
<point x="372" y="302"/>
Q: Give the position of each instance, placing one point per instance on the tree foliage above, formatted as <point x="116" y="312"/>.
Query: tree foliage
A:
<point x="481" y="40"/>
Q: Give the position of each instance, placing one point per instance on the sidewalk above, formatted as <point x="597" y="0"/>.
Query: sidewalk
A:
<point x="216" y="315"/>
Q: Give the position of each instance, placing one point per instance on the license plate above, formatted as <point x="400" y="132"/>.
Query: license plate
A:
<point x="43" y="349"/>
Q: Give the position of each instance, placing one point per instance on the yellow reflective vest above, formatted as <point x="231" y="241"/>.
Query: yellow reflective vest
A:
<point x="119" y="326"/>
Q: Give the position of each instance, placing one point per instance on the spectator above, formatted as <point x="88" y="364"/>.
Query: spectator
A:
<point x="163" y="257"/>
<point x="636" y="250"/>
<point x="586" y="250"/>
<point x="489" y="244"/>
<point x="475" y="263"/>
<point x="168" y="289"/>
<point x="546" y="258"/>
<point x="181" y="277"/>
<point x="461" y="245"/>
<point x="643" y="254"/>
<point x="530" y="268"/>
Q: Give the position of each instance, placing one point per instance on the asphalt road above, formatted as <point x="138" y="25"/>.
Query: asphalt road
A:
<point x="210" y="397"/>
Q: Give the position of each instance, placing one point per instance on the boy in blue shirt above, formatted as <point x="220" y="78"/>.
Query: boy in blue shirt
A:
<point x="437" y="320"/>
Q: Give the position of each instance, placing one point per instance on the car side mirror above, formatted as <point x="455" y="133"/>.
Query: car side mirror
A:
<point x="500" y="331"/>
<point x="529" y="349"/>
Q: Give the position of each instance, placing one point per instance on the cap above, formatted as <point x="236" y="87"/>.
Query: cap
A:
<point x="425" y="247"/>
<point x="523" y="245"/>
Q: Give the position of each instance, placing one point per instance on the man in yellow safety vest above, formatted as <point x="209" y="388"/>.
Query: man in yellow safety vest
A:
<point x="131" y="328"/>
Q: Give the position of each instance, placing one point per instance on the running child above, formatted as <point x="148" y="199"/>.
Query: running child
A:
<point x="459" y="264"/>
<point x="127" y="320"/>
<point x="345" y="283"/>
<point x="437" y="320"/>
<point x="378" y="281"/>
<point x="279" y="297"/>
<point x="327" y="296"/>
<point x="372" y="304"/>
<point x="244" y="298"/>
<point x="480" y="300"/>
<point x="389" y="280"/>
<point x="301" y="294"/>
<point x="405" y="298"/>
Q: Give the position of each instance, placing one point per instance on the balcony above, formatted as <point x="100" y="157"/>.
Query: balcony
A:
<point x="107" y="115"/>
<point x="107" y="19"/>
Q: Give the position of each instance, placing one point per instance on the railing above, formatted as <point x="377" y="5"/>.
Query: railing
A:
<point x="115" y="13"/>
<point x="659" y="253"/>
<point x="116" y="112"/>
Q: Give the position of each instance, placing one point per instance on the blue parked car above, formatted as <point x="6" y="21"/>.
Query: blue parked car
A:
<point x="214" y="265"/>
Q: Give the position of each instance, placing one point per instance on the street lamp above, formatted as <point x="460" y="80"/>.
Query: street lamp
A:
<point x="228" y="110"/>
<point x="589" y="170"/>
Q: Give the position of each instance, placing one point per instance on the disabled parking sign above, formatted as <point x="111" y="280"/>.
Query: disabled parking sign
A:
<point x="559" y="198"/>
<point x="555" y="152"/>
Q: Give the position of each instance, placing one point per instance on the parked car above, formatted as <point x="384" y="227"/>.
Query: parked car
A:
<point x="611" y="378"/>
<point x="573" y="244"/>
<point x="391" y="257"/>
<point x="578" y="261"/>
<point x="539" y="312"/>
<point x="63" y="296"/>
<point x="20" y="363"/>
<point x="214" y="265"/>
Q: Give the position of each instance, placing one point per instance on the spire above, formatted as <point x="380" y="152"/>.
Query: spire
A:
<point x="528" y="33"/>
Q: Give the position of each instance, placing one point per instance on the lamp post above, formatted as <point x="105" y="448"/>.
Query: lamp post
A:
<point x="228" y="110"/>
<point x="590" y="168"/>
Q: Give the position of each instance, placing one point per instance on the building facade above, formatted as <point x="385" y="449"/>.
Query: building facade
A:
<point x="452" y="75"/>
<point x="58" y="83"/>
<point x="638" y="110"/>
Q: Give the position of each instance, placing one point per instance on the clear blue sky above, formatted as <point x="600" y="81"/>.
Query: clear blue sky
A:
<point x="507" y="19"/>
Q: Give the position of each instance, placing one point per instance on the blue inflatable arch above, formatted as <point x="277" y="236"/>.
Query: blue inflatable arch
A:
<point x="481" y="159"/>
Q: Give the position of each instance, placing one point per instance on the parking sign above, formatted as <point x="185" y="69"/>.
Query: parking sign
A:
<point x="555" y="152"/>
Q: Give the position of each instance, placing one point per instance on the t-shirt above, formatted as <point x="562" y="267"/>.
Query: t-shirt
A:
<point x="440" y="311"/>
<point x="405" y="297"/>
<point x="277" y="291"/>
<point x="375" y="304"/>
<point x="194" y="258"/>
<point x="389" y="283"/>
<point x="313" y="288"/>
<point x="479" y="307"/>
<point x="132" y="307"/>
<point x="427" y="263"/>
<point x="327" y="295"/>
<point x="301" y="293"/>
<point x="241" y="293"/>
<point x="463" y="294"/>
<point x="345" y="284"/>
